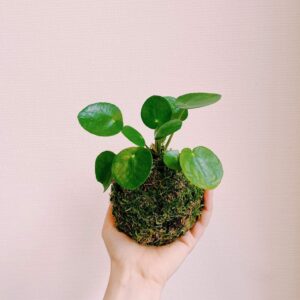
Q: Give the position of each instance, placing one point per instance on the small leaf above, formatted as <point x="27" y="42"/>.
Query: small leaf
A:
<point x="103" y="165"/>
<point x="133" y="135"/>
<point x="156" y="111"/>
<point x="177" y="113"/>
<point x="201" y="167"/>
<point x="171" y="159"/>
<point x="167" y="128"/>
<point x="194" y="100"/>
<point x="131" y="167"/>
<point x="102" y="119"/>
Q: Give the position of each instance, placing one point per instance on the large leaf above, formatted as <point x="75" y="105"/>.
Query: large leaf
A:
<point x="201" y="167"/>
<point x="131" y="167"/>
<point x="156" y="111"/>
<point x="194" y="100"/>
<point x="103" y="119"/>
<point x="171" y="159"/>
<point x="167" y="128"/>
<point x="103" y="166"/>
<point x="177" y="113"/>
<point x="133" y="135"/>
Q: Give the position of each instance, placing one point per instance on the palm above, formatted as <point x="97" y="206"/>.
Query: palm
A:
<point x="158" y="263"/>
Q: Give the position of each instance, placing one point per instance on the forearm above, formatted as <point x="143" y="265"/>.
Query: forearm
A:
<point x="127" y="284"/>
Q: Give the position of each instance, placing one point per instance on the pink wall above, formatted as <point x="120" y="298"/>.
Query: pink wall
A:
<point x="58" y="56"/>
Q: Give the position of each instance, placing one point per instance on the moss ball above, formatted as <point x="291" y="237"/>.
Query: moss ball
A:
<point x="162" y="209"/>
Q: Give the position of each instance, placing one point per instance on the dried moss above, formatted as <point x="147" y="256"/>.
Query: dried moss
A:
<point x="160" y="210"/>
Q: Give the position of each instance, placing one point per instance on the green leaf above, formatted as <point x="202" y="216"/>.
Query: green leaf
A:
<point x="133" y="135"/>
<point x="102" y="119"/>
<point x="177" y="113"/>
<point x="201" y="167"/>
<point x="171" y="159"/>
<point x="194" y="100"/>
<point x="131" y="167"/>
<point x="156" y="111"/>
<point x="167" y="129"/>
<point x="103" y="165"/>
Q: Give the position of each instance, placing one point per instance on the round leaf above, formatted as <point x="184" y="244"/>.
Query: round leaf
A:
<point x="103" y="119"/>
<point x="201" y="167"/>
<point x="156" y="111"/>
<point x="131" y="167"/>
<point x="177" y="113"/>
<point x="194" y="100"/>
<point x="167" y="128"/>
<point x="103" y="165"/>
<point x="133" y="135"/>
<point x="171" y="159"/>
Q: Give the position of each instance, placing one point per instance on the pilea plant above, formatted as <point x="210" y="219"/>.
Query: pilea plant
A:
<point x="156" y="192"/>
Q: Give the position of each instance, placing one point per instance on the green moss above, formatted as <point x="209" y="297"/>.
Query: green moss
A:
<point x="164" y="208"/>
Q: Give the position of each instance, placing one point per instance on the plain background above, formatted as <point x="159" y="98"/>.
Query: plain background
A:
<point x="59" y="56"/>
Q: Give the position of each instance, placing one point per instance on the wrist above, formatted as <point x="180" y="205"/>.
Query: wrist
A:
<point x="125" y="282"/>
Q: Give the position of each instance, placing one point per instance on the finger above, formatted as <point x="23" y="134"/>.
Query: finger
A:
<point x="208" y="207"/>
<point x="208" y="199"/>
<point x="197" y="230"/>
<point x="188" y="239"/>
<point x="199" y="227"/>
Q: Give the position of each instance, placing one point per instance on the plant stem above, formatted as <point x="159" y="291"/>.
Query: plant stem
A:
<point x="171" y="136"/>
<point x="168" y="141"/>
<point x="158" y="146"/>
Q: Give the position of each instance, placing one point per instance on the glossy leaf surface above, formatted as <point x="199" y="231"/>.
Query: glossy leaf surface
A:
<point x="194" y="100"/>
<point x="201" y="167"/>
<point x="103" y="166"/>
<point x="156" y="111"/>
<point x="133" y="135"/>
<point x="168" y="128"/>
<point x="171" y="159"/>
<point x="177" y="113"/>
<point x="102" y="119"/>
<point x="131" y="167"/>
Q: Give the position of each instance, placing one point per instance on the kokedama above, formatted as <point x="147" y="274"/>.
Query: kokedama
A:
<point x="156" y="193"/>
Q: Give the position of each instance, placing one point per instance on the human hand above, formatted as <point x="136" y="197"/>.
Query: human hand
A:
<point x="140" y="272"/>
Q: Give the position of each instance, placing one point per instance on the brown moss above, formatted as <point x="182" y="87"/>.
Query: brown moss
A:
<point x="164" y="208"/>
